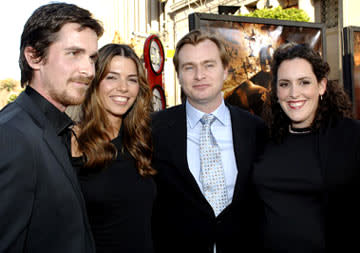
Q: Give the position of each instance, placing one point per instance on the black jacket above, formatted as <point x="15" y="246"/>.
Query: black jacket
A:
<point x="183" y="221"/>
<point x="42" y="209"/>
<point x="339" y="149"/>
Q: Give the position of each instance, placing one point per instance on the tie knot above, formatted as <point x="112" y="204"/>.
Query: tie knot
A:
<point x="207" y="119"/>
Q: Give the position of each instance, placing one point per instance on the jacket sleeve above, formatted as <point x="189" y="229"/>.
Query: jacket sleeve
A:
<point x="17" y="188"/>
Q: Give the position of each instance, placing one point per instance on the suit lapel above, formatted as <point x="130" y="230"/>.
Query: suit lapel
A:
<point x="54" y="144"/>
<point x="60" y="153"/>
<point x="177" y="134"/>
<point x="242" y="145"/>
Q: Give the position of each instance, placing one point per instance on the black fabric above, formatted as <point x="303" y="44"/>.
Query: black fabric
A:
<point x="289" y="180"/>
<point x="59" y="120"/>
<point x="119" y="203"/>
<point x="42" y="208"/>
<point x="338" y="153"/>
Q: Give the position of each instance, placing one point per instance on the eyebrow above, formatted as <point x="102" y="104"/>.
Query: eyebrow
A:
<point x="118" y="74"/>
<point x="203" y="62"/>
<point x="94" y="55"/>
<point x="113" y="73"/>
<point x="75" y="49"/>
<point x="301" y="78"/>
<point x="211" y="60"/>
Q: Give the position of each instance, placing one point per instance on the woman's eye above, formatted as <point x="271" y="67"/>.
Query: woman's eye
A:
<point x="283" y="84"/>
<point x="133" y="80"/>
<point x="110" y="78"/>
<point x="305" y="82"/>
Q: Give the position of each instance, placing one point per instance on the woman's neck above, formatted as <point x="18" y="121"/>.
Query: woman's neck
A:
<point x="297" y="130"/>
<point x="114" y="128"/>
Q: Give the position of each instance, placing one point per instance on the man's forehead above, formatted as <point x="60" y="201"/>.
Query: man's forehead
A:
<point x="198" y="53"/>
<point x="73" y="35"/>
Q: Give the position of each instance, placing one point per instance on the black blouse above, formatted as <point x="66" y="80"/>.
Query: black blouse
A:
<point x="119" y="204"/>
<point x="289" y="181"/>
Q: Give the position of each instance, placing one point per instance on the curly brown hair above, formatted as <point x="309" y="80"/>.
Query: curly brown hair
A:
<point x="334" y="105"/>
<point x="94" y="139"/>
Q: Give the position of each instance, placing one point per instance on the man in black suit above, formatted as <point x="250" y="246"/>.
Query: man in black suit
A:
<point x="184" y="220"/>
<point x="42" y="209"/>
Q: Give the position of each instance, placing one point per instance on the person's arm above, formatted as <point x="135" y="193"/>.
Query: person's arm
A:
<point x="17" y="187"/>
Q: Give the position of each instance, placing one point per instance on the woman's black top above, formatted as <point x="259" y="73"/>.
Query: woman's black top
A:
<point x="119" y="204"/>
<point x="289" y="181"/>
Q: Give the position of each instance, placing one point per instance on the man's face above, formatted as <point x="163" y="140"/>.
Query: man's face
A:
<point x="201" y="75"/>
<point x="68" y="69"/>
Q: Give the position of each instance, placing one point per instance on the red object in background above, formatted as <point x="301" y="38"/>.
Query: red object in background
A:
<point x="154" y="63"/>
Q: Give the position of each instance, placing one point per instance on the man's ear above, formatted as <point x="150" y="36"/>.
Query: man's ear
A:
<point x="32" y="59"/>
<point x="226" y="72"/>
<point x="179" y="78"/>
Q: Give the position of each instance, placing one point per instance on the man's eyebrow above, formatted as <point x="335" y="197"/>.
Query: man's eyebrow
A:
<point x="187" y="63"/>
<point x="74" y="49"/>
<point x="210" y="60"/>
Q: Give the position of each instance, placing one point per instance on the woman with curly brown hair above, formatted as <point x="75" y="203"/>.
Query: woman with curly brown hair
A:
<point x="111" y="148"/>
<point x="309" y="174"/>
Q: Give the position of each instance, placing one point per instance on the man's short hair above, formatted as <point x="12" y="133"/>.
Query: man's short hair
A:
<point x="194" y="37"/>
<point x="41" y="29"/>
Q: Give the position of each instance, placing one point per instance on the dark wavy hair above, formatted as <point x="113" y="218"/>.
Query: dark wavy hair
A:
<point x="94" y="140"/>
<point x="334" y="104"/>
<point x="41" y="29"/>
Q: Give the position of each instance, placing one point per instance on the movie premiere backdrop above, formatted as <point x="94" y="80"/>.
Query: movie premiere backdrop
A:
<point x="251" y="43"/>
<point x="351" y="65"/>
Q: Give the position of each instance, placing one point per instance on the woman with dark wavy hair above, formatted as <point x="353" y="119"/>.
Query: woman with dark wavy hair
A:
<point x="111" y="148"/>
<point x="309" y="174"/>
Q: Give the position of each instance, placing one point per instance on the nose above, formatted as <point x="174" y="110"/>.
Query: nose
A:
<point x="199" y="74"/>
<point x="294" y="91"/>
<point x="122" y="86"/>
<point x="88" y="68"/>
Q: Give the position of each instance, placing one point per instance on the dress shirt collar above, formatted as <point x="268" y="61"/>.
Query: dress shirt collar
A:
<point x="194" y="115"/>
<point x="59" y="120"/>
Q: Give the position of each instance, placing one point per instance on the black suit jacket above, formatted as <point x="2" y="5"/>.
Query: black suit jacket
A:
<point x="42" y="209"/>
<point x="183" y="221"/>
<point x="339" y="148"/>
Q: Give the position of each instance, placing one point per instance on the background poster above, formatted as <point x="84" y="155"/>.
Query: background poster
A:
<point x="250" y="43"/>
<point x="351" y="66"/>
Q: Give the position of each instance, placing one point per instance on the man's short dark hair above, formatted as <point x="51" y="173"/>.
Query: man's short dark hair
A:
<point x="41" y="29"/>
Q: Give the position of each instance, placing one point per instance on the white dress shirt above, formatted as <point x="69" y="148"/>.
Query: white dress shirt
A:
<point x="222" y="131"/>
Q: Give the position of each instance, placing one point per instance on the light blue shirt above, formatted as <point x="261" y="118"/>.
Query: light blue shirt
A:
<point x="222" y="131"/>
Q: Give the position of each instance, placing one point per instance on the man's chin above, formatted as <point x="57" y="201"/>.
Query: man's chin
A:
<point x="75" y="100"/>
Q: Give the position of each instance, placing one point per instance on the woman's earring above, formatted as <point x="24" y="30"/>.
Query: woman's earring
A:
<point x="320" y="97"/>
